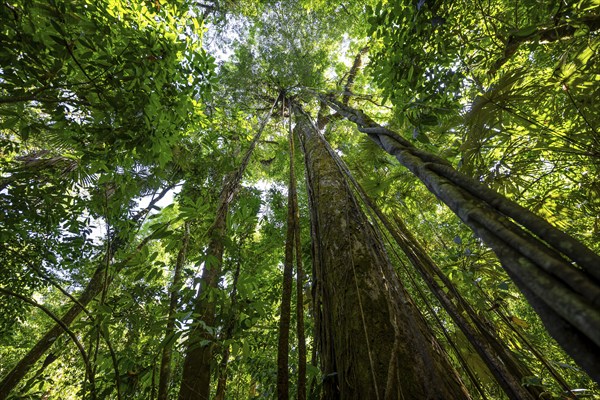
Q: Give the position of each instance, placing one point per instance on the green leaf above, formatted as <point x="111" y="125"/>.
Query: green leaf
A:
<point x="525" y="32"/>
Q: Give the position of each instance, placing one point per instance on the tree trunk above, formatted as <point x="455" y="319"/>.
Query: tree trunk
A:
<point x="373" y="341"/>
<point x="165" y="362"/>
<point x="301" y="386"/>
<point x="508" y="371"/>
<point x="195" y="381"/>
<point x="222" y="380"/>
<point x="534" y="253"/>
<point x="283" y="373"/>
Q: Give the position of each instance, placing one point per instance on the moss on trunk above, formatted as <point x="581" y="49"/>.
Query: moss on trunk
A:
<point x="373" y="341"/>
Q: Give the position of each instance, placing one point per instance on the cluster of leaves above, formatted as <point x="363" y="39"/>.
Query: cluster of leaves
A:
<point x="93" y="98"/>
<point x="102" y="80"/>
<point x="101" y="105"/>
<point x="506" y="90"/>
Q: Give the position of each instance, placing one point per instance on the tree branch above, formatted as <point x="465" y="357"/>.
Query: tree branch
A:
<point x="65" y="328"/>
<point x="322" y="118"/>
<point x="352" y="74"/>
<point x="553" y="34"/>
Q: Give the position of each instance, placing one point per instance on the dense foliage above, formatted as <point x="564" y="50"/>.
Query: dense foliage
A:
<point x="119" y="131"/>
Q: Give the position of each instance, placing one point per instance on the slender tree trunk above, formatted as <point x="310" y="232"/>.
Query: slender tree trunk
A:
<point x="222" y="380"/>
<point x="283" y="374"/>
<point x="195" y="381"/>
<point x="301" y="385"/>
<point x="93" y="288"/>
<point x="536" y="352"/>
<point x="374" y="344"/>
<point x="533" y="252"/>
<point x="165" y="362"/>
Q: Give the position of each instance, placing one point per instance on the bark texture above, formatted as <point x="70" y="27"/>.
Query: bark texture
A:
<point x="373" y="342"/>
<point x="507" y="370"/>
<point x="538" y="257"/>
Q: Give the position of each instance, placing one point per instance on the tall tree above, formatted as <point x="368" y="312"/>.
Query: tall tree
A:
<point x="195" y="382"/>
<point x="564" y="297"/>
<point x="492" y="105"/>
<point x="360" y="305"/>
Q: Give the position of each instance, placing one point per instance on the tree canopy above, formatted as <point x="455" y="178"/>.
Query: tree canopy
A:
<point x="260" y="199"/>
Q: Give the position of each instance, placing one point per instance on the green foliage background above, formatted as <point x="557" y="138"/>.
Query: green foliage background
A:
<point x="104" y="105"/>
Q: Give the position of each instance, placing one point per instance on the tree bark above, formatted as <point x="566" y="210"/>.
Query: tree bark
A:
<point x="507" y="370"/>
<point x="283" y="373"/>
<point x="509" y="373"/>
<point x="373" y="341"/>
<point x="533" y="252"/>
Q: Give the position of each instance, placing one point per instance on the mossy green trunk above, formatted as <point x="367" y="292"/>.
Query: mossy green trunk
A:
<point x="373" y="342"/>
<point x="537" y="256"/>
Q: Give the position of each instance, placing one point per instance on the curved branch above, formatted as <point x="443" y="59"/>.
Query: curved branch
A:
<point x="104" y="335"/>
<point x="65" y="328"/>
